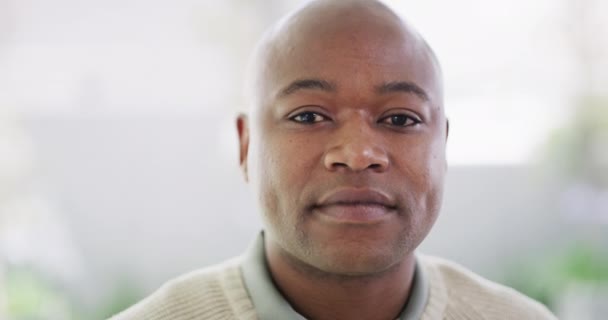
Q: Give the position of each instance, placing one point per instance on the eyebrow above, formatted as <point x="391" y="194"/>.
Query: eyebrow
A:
<point x="307" y="84"/>
<point x="403" y="86"/>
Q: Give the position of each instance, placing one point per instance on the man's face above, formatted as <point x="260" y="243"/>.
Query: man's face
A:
<point x="346" y="152"/>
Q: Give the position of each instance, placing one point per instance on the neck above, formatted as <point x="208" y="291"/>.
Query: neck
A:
<point x="320" y="295"/>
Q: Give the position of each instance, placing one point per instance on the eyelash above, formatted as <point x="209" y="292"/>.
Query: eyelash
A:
<point x="317" y="117"/>
<point x="409" y="121"/>
<point x="308" y="113"/>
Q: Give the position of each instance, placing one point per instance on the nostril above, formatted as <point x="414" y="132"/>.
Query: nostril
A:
<point x="357" y="156"/>
<point x="339" y="165"/>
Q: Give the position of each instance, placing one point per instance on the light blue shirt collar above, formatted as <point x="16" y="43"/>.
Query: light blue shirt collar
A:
<point x="270" y="304"/>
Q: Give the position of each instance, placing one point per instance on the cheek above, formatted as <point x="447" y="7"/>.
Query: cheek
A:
<point x="422" y="169"/>
<point x="294" y="158"/>
<point x="284" y="166"/>
<point x="422" y="195"/>
<point x="434" y="180"/>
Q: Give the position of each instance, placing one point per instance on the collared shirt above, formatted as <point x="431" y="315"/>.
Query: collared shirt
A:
<point x="270" y="304"/>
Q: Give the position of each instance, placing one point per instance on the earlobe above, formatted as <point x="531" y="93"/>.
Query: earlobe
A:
<point x="242" y="127"/>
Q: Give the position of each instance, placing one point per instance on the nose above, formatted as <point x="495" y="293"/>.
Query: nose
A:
<point x="356" y="148"/>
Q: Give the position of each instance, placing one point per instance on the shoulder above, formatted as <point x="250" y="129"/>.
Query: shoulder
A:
<point x="462" y="294"/>
<point x="215" y="292"/>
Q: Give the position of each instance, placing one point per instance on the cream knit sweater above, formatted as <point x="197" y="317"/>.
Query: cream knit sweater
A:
<point x="219" y="293"/>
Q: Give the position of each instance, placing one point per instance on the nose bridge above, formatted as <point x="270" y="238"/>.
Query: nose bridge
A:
<point x="356" y="133"/>
<point x="357" y="146"/>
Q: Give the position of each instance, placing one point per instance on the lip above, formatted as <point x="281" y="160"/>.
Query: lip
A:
<point x="357" y="196"/>
<point x="356" y="206"/>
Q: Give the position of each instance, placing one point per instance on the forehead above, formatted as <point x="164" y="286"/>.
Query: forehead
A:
<point x="350" y="52"/>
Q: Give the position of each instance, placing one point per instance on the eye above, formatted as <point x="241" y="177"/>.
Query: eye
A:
<point x="401" y="120"/>
<point x="308" y="117"/>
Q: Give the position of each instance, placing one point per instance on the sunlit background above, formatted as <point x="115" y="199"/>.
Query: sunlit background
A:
<point x="118" y="158"/>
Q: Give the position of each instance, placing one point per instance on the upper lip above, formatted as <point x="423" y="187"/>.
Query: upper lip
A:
<point x="357" y="196"/>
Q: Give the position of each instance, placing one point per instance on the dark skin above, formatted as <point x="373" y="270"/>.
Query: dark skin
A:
<point x="345" y="151"/>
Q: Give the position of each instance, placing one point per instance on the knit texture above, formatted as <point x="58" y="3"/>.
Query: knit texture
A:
<point x="458" y="294"/>
<point x="219" y="293"/>
<point x="212" y="293"/>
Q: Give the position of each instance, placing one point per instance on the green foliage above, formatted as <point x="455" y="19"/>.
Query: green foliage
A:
<point x="544" y="278"/>
<point x="122" y="297"/>
<point x="584" y="264"/>
<point x="30" y="297"/>
<point x="575" y="151"/>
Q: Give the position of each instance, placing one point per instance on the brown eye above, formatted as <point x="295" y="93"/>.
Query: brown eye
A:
<point x="401" y="120"/>
<point x="308" y="118"/>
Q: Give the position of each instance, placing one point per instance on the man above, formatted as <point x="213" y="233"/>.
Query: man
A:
<point x="344" y="147"/>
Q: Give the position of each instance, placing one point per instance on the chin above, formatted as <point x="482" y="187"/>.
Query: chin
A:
<point x="356" y="259"/>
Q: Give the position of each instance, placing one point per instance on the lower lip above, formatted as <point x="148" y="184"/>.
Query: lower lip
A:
<point x="360" y="213"/>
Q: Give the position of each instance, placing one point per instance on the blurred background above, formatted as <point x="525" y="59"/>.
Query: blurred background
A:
<point x="118" y="153"/>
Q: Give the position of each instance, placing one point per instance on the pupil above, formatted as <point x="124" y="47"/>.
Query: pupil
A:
<point x="308" y="117"/>
<point x="399" y="120"/>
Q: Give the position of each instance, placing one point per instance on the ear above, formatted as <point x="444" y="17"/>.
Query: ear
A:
<point x="242" y="127"/>
<point x="447" y="134"/>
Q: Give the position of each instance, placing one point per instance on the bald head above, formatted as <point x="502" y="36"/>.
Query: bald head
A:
<point x="356" y="27"/>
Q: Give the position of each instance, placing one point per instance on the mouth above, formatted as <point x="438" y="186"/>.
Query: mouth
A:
<point x="356" y="206"/>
